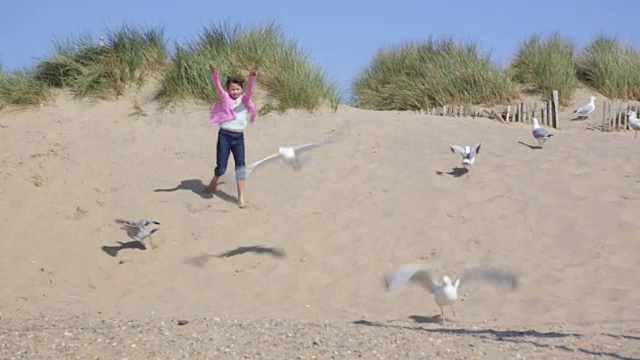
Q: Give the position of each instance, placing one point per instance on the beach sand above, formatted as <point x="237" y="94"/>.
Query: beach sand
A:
<point x="386" y="193"/>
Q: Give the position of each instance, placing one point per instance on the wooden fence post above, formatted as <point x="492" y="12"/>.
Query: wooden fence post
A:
<point x="554" y="105"/>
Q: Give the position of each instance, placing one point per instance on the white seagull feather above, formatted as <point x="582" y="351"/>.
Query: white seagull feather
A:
<point x="634" y="122"/>
<point x="587" y="109"/>
<point x="447" y="293"/>
<point x="289" y="156"/>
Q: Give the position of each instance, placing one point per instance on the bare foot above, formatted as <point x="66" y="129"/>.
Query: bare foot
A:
<point x="241" y="203"/>
<point x="212" y="186"/>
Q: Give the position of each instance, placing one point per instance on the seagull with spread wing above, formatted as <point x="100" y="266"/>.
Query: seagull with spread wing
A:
<point x="468" y="153"/>
<point x="447" y="293"/>
<point x="289" y="156"/>
<point x="137" y="230"/>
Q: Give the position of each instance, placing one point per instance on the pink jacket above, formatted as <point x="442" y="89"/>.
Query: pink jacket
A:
<point x="222" y="111"/>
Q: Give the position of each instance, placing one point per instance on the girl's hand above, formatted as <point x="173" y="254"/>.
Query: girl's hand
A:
<point x="212" y="68"/>
<point x="254" y="71"/>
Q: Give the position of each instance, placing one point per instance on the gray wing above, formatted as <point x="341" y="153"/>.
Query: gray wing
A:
<point x="309" y="146"/>
<point x="585" y="108"/>
<point x="540" y="133"/>
<point x="407" y="274"/>
<point x="476" y="148"/>
<point x="489" y="275"/>
<point x="251" y="167"/>
<point x="127" y="223"/>
<point x="457" y="149"/>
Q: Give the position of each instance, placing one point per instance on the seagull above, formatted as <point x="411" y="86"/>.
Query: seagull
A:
<point x="137" y="230"/>
<point x="101" y="42"/>
<point x="138" y="224"/>
<point x="468" y="154"/>
<point x="634" y="122"/>
<point x="447" y="293"/>
<point x="539" y="133"/>
<point x="587" y="109"/>
<point x="289" y="156"/>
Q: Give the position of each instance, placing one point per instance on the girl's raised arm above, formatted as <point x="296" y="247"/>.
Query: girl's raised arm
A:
<point x="252" y="81"/>
<point x="215" y="77"/>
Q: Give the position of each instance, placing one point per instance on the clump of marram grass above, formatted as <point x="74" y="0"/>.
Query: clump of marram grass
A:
<point x="82" y="66"/>
<point x="547" y="65"/>
<point x="21" y="88"/>
<point x="289" y="78"/>
<point x="611" y="68"/>
<point x="420" y="75"/>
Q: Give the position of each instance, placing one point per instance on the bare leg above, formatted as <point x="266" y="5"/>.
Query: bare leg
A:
<point x="213" y="185"/>
<point x="241" y="202"/>
<point x="442" y="312"/>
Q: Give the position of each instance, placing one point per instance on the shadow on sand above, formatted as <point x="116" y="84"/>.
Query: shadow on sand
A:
<point x="199" y="188"/>
<point x="533" y="147"/>
<point x="201" y="260"/>
<point x="513" y="336"/>
<point x="113" y="250"/>
<point x="458" y="171"/>
<point x="194" y="185"/>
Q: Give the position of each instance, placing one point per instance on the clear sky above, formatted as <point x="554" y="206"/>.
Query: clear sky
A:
<point x="341" y="36"/>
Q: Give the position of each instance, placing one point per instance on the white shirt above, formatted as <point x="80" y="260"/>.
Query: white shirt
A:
<point x="241" y="120"/>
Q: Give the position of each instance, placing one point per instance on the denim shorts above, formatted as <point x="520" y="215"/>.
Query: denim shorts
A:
<point x="230" y="142"/>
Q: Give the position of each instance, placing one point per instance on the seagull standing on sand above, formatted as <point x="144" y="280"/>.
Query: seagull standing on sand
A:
<point x="289" y="156"/>
<point x="587" y="109"/>
<point x="447" y="293"/>
<point x="137" y="230"/>
<point x="468" y="154"/>
<point x="634" y="122"/>
<point x="539" y="133"/>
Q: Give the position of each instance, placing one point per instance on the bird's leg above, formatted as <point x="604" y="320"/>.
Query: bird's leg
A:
<point x="454" y="311"/>
<point x="634" y="136"/>
<point x="442" y="315"/>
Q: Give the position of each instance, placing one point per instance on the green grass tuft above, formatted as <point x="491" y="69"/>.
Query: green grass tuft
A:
<point x="291" y="80"/>
<point x="80" y="65"/>
<point x="419" y="75"/>
<point x="547" y="65"/>
<point x="611" y="68"/>
<point x="20" y="88"/>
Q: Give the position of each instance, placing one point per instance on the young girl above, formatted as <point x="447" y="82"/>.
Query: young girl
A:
<point x="234" y="112"/>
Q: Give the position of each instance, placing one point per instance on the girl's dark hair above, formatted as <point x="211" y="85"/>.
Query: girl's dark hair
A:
<point x="235" y="80"/>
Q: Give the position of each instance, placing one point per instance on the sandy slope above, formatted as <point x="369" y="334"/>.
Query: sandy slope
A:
<point x="565" y="218"/>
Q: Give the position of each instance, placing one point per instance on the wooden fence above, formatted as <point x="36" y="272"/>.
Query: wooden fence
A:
<point x="546" y="113"/>
<point x="614" y="116"/>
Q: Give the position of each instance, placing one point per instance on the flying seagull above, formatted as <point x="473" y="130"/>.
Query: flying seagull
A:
<point x="539" y="133"/>
<point x="137" y="230"/>
<point x="289" y="156"/>
<point x="447" y="293"/>
<point x="468" y="154"/>
<point x="137" y="224"/>
<point x="634" y="122"/>
<point x="587" y="109"/>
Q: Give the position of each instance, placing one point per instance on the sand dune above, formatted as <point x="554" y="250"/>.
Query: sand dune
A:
<point x="565" y="218"/>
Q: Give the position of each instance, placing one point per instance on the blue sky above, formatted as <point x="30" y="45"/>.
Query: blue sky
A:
<point x="341" y="36"/>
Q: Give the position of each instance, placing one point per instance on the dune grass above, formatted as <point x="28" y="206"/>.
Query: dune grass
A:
<point x="130" y="55"/>
<point x="547" y="65"/>
<point x="21" y="88"/>
<point x="419" y="75"/>
<point x="611" y="68"/>
<point x="285" y="71"/>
